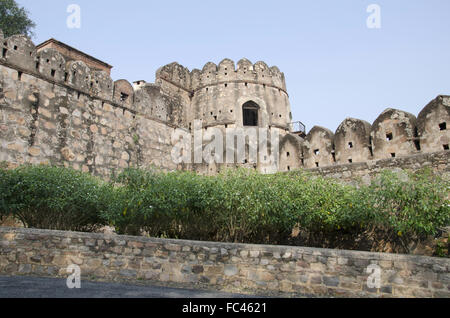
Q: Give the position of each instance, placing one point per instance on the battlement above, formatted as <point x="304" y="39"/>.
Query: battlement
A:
<point x="395" y="133"/>
<point x="59" y="110"/>
<point x="224" y="73"/>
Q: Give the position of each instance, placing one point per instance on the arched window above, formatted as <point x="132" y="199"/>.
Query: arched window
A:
<point x="250" y="113"/>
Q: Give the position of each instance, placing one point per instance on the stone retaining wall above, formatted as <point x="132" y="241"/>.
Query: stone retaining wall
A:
<point x="264" y="270"/>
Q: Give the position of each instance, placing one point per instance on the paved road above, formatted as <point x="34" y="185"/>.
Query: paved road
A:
<point x="33" y="287"/>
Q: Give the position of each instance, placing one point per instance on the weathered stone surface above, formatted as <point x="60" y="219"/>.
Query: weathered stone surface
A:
<point x="265" y="271"/>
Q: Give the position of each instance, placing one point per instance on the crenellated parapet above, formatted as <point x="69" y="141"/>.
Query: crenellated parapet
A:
<point x="226" y="72"/>
<point x="174" y="74"/>
<point x="433" y="124"/>
<point x="352" y="141"/>
<point x="243" y="72"/>
<point x="395" y="133"/>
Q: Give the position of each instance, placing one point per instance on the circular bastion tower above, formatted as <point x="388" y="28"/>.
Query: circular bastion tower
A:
<point x="229" y="96"/>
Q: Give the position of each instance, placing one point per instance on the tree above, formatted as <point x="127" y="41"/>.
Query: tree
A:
<point x="14" y="19"/>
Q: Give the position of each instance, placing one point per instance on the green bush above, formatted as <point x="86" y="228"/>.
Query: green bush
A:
<point x="53" y="198"/>
<point x="238" y="205"/>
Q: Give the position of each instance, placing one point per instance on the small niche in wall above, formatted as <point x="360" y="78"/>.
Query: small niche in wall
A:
<point x="288" y="168"/>
<point x="66" y="77"/>
<point x="288" y="154"/>
<point x="317" y="152"/>
<point x="350" y="145"/>
<point x="5" y="50"/>
<point x="389" y="136"/>
<point x="416" y="139"/>
<point x="19" y="75"/>
<point x="446" y="147"/>
<point x="393" y="154"/>
<point x="443" y="126"/>
<point x="350" y="160"/>
<point x="15" y="47"/>
<point x="123" y="97"/>
<point x="317" y="164"/>
<point x="52" y="73"/>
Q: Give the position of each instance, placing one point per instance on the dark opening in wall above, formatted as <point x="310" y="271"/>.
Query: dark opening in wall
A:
<point x="333" y="156"/>
<point x="66" y="76"/>
<point x="250" y="113"/>
<point x="416" y="140"/>
<point x="52" y="73"/>
<point x="123" y="97"/>
<point x="288" y="154"/>
<point x="226" y="85"/>
<point x="289" y="168"/>
<point x="246" y="84"/>
<point x="317" y="164"/>
<point x="316" y="152"/>
<point x="350" y="160"/>
<point x="389" y="136"/>
<point x="207" y="89"/>
<point x="15" y="47"/>
<point x="446" y="147"/>
<point x="350" y="145"/>
<point x="443" y="126"/>
<point x="371" y="150"/>
<point x="417" y="144"/>
<point x="19" y="75"/>
<point x="79" y="95"/>
<point x="393" y="155"/>
<point x="226" y="126"/>
<point x="215" y="117"/>
<point x="5" y="50"/>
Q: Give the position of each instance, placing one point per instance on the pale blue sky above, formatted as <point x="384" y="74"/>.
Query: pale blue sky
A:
<point x="335" y="66"/>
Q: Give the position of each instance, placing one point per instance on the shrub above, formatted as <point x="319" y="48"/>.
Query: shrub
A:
<point x="53" y="198"/>
<point x="239" y="205"/>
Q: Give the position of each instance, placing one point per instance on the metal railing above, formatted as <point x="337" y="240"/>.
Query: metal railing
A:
<point x="298" y="127"/>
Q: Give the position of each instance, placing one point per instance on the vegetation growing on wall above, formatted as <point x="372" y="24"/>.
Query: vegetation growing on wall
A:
<point x="397" y="208"/>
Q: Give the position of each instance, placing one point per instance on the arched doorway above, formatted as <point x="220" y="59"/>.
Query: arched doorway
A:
<point x="250" y="114"/>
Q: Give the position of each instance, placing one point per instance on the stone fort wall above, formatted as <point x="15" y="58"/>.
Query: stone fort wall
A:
<point x="242" y="268"/>
<point x="61" y="112"/>
<point x="64" y="113"/>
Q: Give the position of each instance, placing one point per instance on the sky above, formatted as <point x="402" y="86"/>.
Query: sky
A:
<point x="335" y="65"/>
